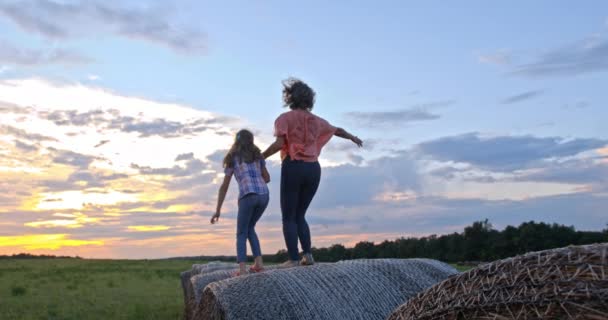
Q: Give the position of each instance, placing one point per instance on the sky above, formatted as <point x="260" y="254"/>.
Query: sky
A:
<point x="115" y="117"/>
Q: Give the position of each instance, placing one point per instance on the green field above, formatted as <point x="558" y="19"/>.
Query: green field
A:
<point x="91" y="289"/>
<point x="78" y="289"/>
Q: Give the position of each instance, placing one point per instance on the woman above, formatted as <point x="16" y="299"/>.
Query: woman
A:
<point x="300" y="136"/>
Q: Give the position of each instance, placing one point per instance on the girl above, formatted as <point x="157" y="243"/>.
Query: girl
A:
<point x="245" y="162"/>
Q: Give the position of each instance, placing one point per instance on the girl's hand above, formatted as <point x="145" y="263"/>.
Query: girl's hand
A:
<point x="215" y="218"/>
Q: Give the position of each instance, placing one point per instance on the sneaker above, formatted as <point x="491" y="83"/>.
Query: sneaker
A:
<point x="307" y="260"/>
<point x="289" y="264"/>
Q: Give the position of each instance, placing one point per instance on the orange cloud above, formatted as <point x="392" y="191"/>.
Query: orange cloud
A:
<point x="148" y="228"/>
<point x="44" y="241"/>
<point x="78" y="220"/>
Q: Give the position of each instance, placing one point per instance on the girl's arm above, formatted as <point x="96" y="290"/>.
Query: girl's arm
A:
<point x="276" y="146"/>
<point x="345" y="135"/>
<point x="220" y="197"/>
<point x="265" y="174"/>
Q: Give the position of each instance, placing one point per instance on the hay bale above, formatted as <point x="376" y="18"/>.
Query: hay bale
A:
<point x="200" y="281"/>
<point x="359" y="289"/>
<point x="212" y="266"/>
<point x="565" y="283"/>
<point x="187" y="287"/>
<point x="188" y="293"/>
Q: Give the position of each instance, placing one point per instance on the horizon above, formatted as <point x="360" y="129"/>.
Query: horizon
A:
<point x="377" y="245"/>
<point x="115" y="119"/>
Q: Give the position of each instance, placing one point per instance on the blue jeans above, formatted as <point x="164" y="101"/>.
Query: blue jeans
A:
<point x="299" y="183"/>
<point x="251" y="207"/>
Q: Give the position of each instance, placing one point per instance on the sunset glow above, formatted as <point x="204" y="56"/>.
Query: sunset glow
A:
<point x="45" y="241"/>
<point x="148" y="228"/>
<point x="112" y="136"/>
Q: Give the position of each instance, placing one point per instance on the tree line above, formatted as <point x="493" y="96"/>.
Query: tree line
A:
<point x="478" y="242"/>
<point x="35" y="256"/>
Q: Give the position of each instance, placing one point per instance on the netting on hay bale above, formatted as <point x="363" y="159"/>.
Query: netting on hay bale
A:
<point x="199" y="277"/>
<point x="358" y="289"/>
<point x="197" y="269"/>
<point x="565" y="283"/>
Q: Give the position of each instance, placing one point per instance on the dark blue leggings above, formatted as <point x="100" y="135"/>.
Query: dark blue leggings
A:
<point x="299" y="183"/>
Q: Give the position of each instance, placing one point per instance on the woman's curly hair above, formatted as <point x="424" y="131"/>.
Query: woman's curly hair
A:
<point x="298" y="95"/>
<point x="243" y="149"/>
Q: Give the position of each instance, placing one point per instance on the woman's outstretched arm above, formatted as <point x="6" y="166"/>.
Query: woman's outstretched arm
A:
<point x="220" y="197"/>
<point x="275" y="147"/>
<point x="345" y="135"/>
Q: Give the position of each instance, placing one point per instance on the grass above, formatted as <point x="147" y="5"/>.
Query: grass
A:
<point x="76" y="289"/>
<point x="91" y="289"/>
<point x="461" y="268"/>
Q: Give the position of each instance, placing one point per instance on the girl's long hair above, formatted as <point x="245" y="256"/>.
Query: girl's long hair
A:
<point x="243" y="149"/>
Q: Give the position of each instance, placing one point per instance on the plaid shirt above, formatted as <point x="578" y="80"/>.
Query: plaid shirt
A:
<point x="248" y="176"/>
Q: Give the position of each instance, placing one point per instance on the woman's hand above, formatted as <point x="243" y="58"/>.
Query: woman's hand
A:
<point x="275" y="147"/>
<point x="215" y="218"/>
<point x="345" y="135"/>
<point x="357" y="141"/>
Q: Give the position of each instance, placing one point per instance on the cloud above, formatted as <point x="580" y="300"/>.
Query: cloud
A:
<point x="94" y="179"/>
<point x="166" y="184"/>
<point x="148" y="228"/>
<point x="575" y="171"/>
<point x="75" y="144"/>
<point x="112" y="119"/>
<point x="101" y="143"/>
<point x="185" y="156"/>
<point x="504" y="153"/>
<point x="522" y="97"/>
<point x="9" y="54"/>
<point x="192" y="173"/>
<point x="76" y="118"/>
<point x="192" y="166"/>
<point x="354" y="158"/>
<point x="398" y="117"/>
<point x="463" y="174"/>
<point x="61" y="20"/>
<point x="582" y="210"/>
<point x="6" y="107"/>
<point x="501" y="58"/>
<point x="25" y="147"/>
<point x="339" y="145"/>
<point x="22" y="134"/>
<point x="349" y="185"/>
<point x="72" y="158"/>
<point x="158" y="127"/>
<point x="217" y="157"/>
<point x="587" y="56"/>
<point x="581" y="104"/>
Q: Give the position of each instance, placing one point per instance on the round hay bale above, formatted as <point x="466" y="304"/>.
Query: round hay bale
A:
<point x="212" y="266"/>
<point x="360" y="289"/>
<point x="565" y="283"/>
<point x="187" y="285"/>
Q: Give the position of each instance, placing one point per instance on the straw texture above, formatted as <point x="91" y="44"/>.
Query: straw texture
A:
<point x="356" y="289"/>
<point x="565" y="283"/>
<point x="187" y="286"/>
